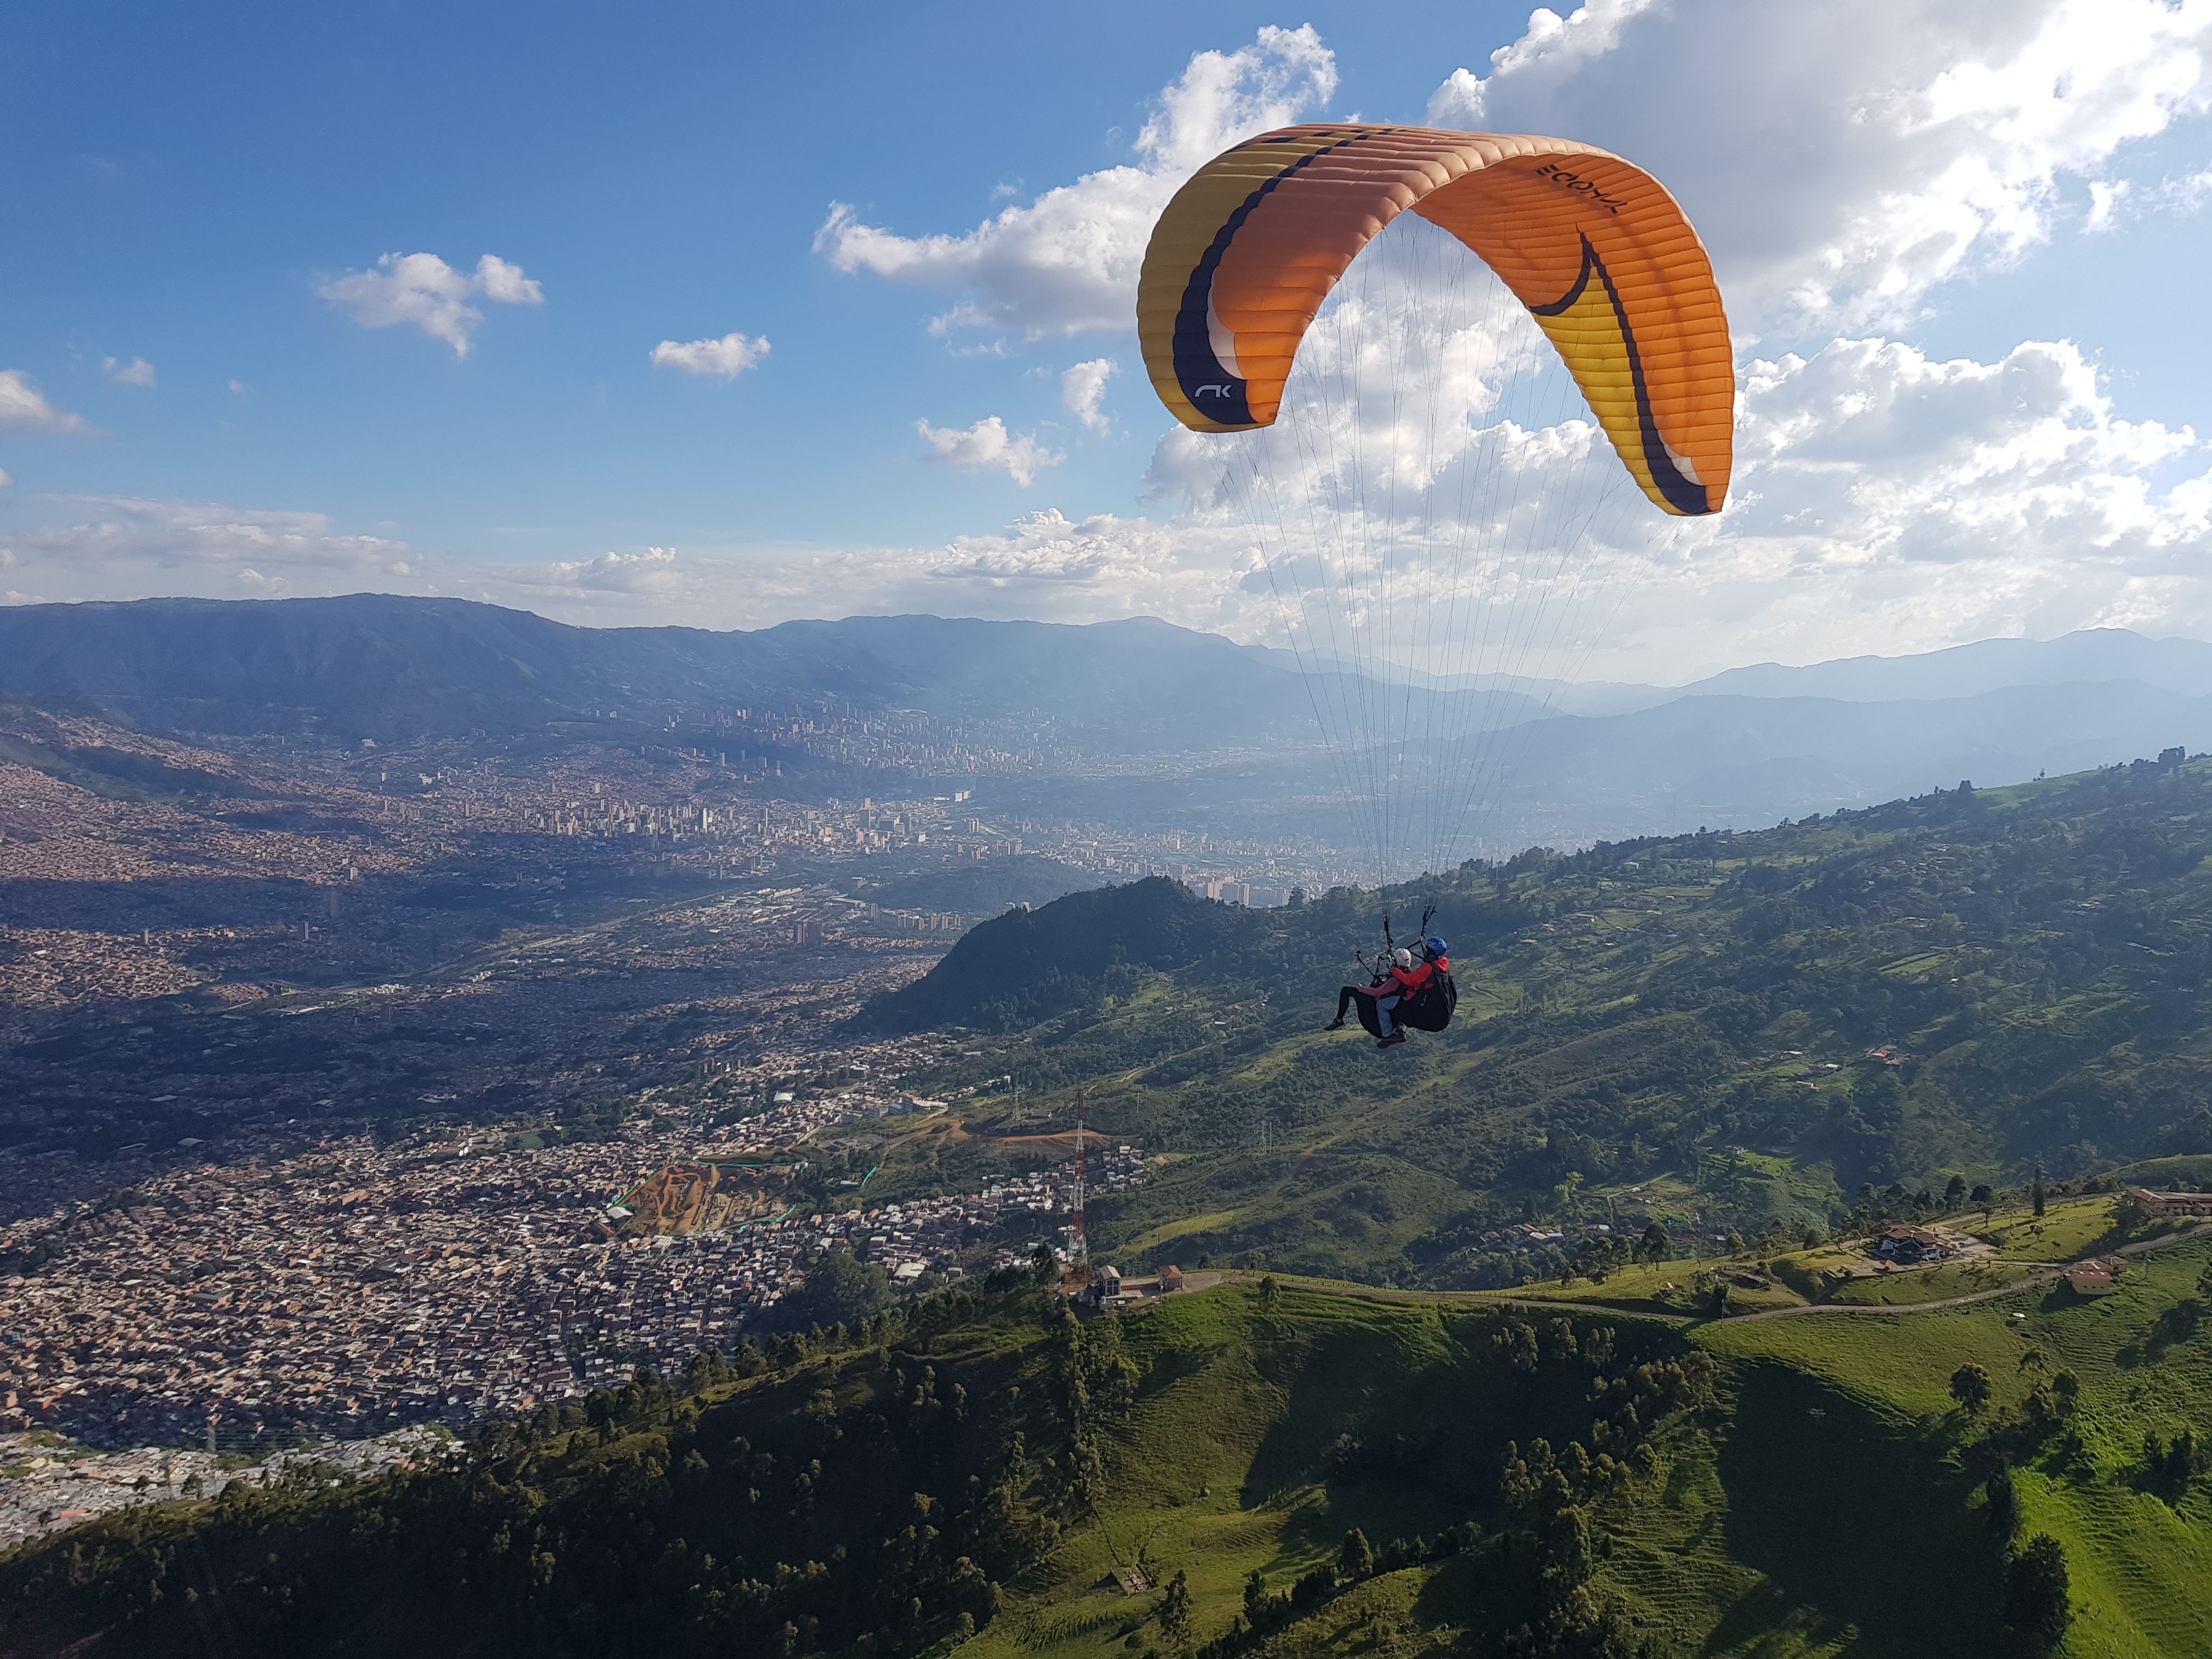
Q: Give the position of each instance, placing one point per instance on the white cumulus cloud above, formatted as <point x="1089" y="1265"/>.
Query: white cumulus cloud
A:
<point x="108" y="530"/>
<point x="1843" y="160"/>
<point x="423" y="291"/>
<point x="1066" y="262"/>
<point x="649" y="576"/>
<point x="987" y="445"/>
<point x="22" y="405"/>
<point x="1044" y="566"/>
<point x="726" y="358"/>
<point x="1889" y="501"/>
<point x="650" y="571"/>
<point x="1083" y="389"/>
<point x="136" y="372"/>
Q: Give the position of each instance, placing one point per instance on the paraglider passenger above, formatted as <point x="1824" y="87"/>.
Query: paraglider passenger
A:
<point x="1406" y="976"/>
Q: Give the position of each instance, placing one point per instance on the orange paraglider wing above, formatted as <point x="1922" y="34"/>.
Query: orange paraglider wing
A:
<point x="1596" y="249"/>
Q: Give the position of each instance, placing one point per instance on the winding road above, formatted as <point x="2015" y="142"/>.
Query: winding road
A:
<point x="2038" y="1273"/>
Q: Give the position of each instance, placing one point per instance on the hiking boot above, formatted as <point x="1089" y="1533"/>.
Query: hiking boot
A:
<point x="1390" y="1041"/>
<point x="1336" y="1025"/>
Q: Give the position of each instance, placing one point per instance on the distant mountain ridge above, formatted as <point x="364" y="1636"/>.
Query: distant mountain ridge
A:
<point x="1748" y="745"/>
<point x="1706" y="746"/>
<point x="381" y="665"/>
<point x="1967" y="671"/>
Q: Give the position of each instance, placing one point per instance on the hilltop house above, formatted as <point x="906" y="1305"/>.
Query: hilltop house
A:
<point x="1110" y="1288"/>
<point x="2174" y="1203"/>
<point x="2095" y="1276"/>
<point x="1910" y="1244"/>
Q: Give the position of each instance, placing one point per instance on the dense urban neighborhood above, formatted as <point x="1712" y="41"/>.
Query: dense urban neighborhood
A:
<point x="351" y="1288"/>
<point x="337" y="1292"/>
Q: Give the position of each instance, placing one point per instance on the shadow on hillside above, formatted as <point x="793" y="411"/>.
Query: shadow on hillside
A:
<point x="1846" y="1512"/>
<point x="1485" y="1594"/>
<point x="1385" y="1398"/>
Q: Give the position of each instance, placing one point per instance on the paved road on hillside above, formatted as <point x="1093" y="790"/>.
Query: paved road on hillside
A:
<point x="2040" y="1273"/>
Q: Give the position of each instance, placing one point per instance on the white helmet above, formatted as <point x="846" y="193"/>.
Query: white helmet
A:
<point x="1402" y="957"/>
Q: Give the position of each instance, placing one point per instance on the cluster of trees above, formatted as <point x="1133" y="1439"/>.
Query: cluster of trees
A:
<point x="2039" y="1600"/>
<point x="2043" y="1411"/>
<point x="1268" y="1610"/>
<point x="1597" y="1255"/>
<point x="2169" y="1464"/>
<point x="1552" y="1500"/>
<point x="1874" y="1210"/>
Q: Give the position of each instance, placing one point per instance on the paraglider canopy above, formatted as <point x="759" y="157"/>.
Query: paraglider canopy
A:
<point x="1361" y="331"/>
<point x="1593" y="245"/>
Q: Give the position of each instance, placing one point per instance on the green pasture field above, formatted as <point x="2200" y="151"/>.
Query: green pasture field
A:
<point x="2141" y="1560"/>
<point x="2065" y="1232"/>
<point x="1168" y="1231"/>
<point x="1937" y="1283"/>
<point x="1641" y="1288"/>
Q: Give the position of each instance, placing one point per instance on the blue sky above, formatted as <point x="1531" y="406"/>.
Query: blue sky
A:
<point x="180" y="189"/>
<point x="192" y="186"/>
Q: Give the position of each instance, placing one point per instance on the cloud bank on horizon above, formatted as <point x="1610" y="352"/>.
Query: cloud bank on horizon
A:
<point x="1857" y="172"/>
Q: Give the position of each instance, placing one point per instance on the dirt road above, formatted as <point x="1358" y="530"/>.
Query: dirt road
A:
<point x="2040" y="1273"/>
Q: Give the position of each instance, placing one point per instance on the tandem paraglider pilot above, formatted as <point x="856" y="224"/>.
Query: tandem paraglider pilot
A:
<point x="1419" y="994"/>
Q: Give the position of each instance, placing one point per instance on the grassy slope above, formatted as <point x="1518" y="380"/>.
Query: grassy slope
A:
<point x="1819" y="1509"/>
<point x="1212" y="1473"/>
<point x="1676" y="1028"/>
<point x="1829" y="1515"/>
<point x="2065" y="1233"/>
<point x="2141" y="1566"/>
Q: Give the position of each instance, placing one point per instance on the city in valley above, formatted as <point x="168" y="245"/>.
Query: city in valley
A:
<point x="354" y="1098"/>
<point x="1401" y="850"/>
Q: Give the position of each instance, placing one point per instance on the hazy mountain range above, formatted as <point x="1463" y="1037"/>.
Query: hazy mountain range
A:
<point x="1745" y="746"/>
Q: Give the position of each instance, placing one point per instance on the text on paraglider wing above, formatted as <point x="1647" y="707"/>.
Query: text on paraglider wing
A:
<point x="1559" y="175"/>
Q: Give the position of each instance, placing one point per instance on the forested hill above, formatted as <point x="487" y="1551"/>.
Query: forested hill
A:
<point x="1027" y="963"/>
<point x="1250" y="1471"/>
<point x="1974" y="982"/>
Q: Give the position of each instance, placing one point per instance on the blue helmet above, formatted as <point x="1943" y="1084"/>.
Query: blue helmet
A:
<point x="1434" y="945"/>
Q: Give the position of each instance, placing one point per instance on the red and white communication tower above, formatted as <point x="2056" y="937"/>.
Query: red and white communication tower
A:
<point x="1079" y="1242"/>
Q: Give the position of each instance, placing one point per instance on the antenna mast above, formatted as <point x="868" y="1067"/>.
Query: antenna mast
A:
<point x="1079" y="1242"/>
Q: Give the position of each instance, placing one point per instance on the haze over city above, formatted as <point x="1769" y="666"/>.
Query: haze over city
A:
<point x="1134" y="833"/>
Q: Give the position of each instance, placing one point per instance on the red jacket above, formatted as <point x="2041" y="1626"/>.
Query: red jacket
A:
<point x="1412" y="979"/>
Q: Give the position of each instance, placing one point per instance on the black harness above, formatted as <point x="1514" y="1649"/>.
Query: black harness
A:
<point x="1429" y="1009"/>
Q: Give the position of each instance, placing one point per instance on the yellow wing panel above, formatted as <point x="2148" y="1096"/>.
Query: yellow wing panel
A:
<point x="1245" y="254"/>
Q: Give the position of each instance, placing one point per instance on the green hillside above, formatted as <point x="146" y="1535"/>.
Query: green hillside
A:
<point x="985" y="1479"/>
<point x="1756" y="1033"/>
